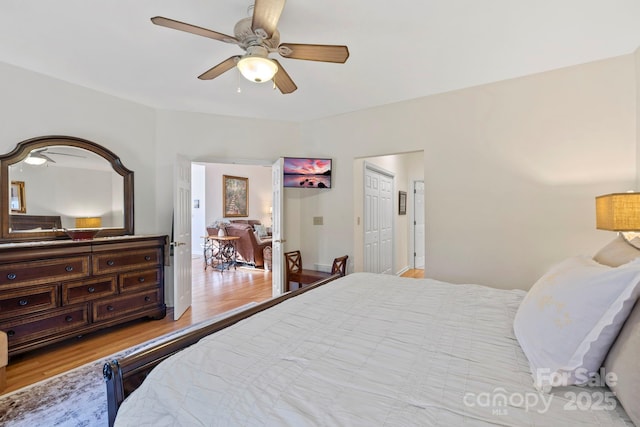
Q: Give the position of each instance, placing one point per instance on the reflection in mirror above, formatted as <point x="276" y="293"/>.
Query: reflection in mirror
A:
<point x="65" y="183"/>
<point x="17" y="197"/>
<point x="71" y="183"/>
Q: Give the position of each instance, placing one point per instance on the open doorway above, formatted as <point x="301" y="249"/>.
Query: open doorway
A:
<point x="405" y="169"/>
<point x="208" y="195"/>
<point x="252" y="223"/>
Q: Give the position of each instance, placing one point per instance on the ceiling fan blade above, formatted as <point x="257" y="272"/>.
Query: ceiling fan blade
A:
<point x="188" y="28"/>
<point x="314" y="52"/>
<point x="39" y="155"/>
<point x="222" y="67"/>
<point x="67" y="154"/>
<point x="282" y="80"/>
<point x="266" y="14"/>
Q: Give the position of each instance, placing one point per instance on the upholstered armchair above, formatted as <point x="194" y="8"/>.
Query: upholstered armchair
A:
<point x="248" y="249"/>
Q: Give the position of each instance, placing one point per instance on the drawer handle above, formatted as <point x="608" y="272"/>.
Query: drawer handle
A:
<point x="147" y="258"/>
<point x="110" y="308"/>
<point x="91" y="289"/>
<point x="140" y="279"/>
<point x="147" y="298"/>
<point x="69" y="319"/>
<point x="11" y="333"/>
<point x="23" y="302"/>
<point x="11" y="276"/>
<point x="110" y="263"/>
<point x="69" y="268"/>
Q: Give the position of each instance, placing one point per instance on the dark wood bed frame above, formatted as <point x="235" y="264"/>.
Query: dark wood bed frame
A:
<point x="125" y="375"/>
<point x="30" y="222"/>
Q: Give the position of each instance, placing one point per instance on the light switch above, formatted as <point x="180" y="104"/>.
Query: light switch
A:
<point x="318" y="220"/>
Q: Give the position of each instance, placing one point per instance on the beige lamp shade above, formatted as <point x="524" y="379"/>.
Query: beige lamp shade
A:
<point x="618" y="212"/>
<point x="89" y="222"/>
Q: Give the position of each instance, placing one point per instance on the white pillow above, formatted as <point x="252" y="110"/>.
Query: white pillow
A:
<point x="260" y="240"/>
<point x="618" y="252"/>
<point x="260" y="229"/>
<point x="569" y="319"/>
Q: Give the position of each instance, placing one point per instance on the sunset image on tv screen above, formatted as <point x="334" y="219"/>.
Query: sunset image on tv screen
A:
<point x="307" y="173"/>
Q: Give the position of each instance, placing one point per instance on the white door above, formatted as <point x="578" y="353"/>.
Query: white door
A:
<point x="371" y="221"/>
<point x="386" y="224"/>
<point x="277" y="268"/>
<point x="181" y="236"/>
<point x="418" y="221"/>
<point x="378" y="221"/>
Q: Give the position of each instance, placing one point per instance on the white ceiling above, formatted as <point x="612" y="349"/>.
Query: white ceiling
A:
<point x="399" y="50"/>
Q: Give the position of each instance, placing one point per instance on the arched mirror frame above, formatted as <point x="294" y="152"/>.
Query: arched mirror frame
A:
<point x="23" y="149"/>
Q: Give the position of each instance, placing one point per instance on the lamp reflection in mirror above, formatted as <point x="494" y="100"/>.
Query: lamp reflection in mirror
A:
<point x="619" y="212"/>
<point x="89" y="222"/>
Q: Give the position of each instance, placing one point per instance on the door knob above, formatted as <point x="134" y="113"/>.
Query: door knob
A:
<point x="280" y="241"/>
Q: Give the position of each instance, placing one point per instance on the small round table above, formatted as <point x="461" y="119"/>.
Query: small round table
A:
<point x="220" y="252"/>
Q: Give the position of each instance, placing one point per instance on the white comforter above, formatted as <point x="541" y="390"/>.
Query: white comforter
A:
<point x="366" y="350"/>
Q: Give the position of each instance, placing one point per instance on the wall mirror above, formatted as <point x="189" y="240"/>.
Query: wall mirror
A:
<point x="65" y="183"/>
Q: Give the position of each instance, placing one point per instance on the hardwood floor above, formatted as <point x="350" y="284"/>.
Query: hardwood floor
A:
<point x="414" y="273"/>
<point x="213" y="293"/>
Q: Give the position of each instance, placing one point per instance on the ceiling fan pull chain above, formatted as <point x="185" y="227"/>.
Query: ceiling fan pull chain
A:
<point x="239" y="90"/>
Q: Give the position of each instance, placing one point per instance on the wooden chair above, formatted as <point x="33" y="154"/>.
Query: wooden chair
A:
<point x="295" y="273"/>
<point x="340" y="265"/>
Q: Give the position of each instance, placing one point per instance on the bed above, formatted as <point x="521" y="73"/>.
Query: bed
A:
<point x="368" y="349"/>
<point x="34" y="222"/>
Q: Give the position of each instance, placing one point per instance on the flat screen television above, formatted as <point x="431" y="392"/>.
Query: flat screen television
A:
<point x="307" y="172"/>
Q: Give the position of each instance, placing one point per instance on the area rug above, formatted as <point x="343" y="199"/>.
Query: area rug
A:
<point x="77" y="398"/>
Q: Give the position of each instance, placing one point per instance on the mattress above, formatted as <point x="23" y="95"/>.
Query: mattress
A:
<point x="366" y="350"/>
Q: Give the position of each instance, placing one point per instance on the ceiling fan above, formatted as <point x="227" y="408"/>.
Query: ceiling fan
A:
<point x="38" y="156"/>
<point x="258" y="36"/>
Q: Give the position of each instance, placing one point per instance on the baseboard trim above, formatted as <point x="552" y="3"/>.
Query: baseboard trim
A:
<point x="404" y="270"/>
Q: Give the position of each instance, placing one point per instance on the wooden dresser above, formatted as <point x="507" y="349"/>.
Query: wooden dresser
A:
<point x="54" y="290"/>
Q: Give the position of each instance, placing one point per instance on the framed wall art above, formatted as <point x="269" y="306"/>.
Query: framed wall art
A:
<point x="235" y="196"/>
<point x="402" y="203"/>
<point x="17" y="199"/>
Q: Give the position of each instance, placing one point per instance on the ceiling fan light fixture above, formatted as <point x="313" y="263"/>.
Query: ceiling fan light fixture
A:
<point x="257" y="69"/>
<point x="34" y="159"/>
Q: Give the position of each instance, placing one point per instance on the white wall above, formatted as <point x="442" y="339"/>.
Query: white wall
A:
<point x="35" y="105"/>
<point x="510" y="168"/>
<point x="198" y="213"/>
<point x="260" y="190"/>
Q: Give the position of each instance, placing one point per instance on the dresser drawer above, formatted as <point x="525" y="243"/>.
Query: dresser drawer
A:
<point x="43" y="271"/>
<point x="51" y="323"/>
<point x="20" y="302"/>
<point x="110" y="262"/>
<point x="87" y="290"/>
<point x="137" y="280"/>
<point x="114" y="307"/>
